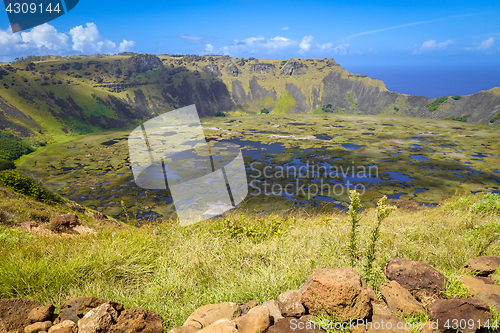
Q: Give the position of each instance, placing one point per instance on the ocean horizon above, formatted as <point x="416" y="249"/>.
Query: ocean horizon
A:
<point x="433" y="80"/>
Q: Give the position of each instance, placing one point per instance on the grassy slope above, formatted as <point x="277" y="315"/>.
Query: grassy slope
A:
<point x="173" y="270"/>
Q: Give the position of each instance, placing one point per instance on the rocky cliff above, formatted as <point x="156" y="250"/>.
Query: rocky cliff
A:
<point x="78" y="95"/>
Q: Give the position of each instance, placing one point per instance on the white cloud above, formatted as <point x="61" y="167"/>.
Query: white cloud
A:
<point x="433" y="45"/>
<point x="305" y="44"/>
<point x="192" y="38"/>
<point x="486" y="44"/>
<point x="45" y="39"/>
<point x="285" y="28"/>
<point x="324" y="47"/>
<point x="46" y="36"/>
<point x="10" y="42"/>
<point x="89" y="40"/>
<point x="126" y="45"/>
<point x="252" y="40"/>
<point x="279" y="42"/>
<point x="210" y="48"/>
<point x="257" y="44"/>
<point x="341" y="49"/>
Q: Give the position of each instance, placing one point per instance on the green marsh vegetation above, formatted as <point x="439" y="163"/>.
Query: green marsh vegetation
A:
<point x="433" y="159"/>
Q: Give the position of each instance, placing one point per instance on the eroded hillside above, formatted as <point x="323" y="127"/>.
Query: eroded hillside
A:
<point x="58" y="97"/>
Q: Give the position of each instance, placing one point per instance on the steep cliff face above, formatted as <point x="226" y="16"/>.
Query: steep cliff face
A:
<point x="66" y="96"/>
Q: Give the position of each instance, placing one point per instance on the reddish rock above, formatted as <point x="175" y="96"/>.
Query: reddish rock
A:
<point x="484" y="289"/>
<point x="421" y="279"/>
<point x="295" y="325"/>
<point x="255" y="321"/>
<point x="209" y="314"/>
<point x="63" y="330"/>
<point x="64" y="222"/>
<point x="67" y="314"/>
<point x="337" y="290"/>
<point x="380" y="308"/>
<point x="98" y="320"/>
<point x="386" y="324"/>
<point x="246" y="307"/>
<point x="483" y="266"/>
<point x="445" y="311"/>
<point x="138" y="320"/>
<point x="399" y="299"/>
<point x="67" y="324"/>
<point x="274" y="310"/>
<point x="290" y="304"/>
<point x="78" y="307"/>
<point x="42" y="313"/>
<point x="14" y="313"/>
<point x="38" y="327"/>
<point x="223" y="325"/>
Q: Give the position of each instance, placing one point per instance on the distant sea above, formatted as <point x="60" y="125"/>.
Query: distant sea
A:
<point x="433" y="81"/>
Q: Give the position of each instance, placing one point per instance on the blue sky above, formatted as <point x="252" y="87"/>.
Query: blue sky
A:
<point x="355" y="33"/>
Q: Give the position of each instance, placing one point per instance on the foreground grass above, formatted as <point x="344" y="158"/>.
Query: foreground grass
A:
<point x="172" y="270"/>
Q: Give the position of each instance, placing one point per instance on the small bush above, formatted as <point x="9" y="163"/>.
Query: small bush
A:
<point x="220" y="114"/>
<point x="6" y="165"/>
<point x="264" y="111"/>
<point x="458" y="118"/>
<point x="24" y="184"/>
<point x="461" y="204"/>
<point x="81" y="129"/>
<point x="456" y="97"/>
<point x="495" y="118"/>
<point x="436" y="103"/>
<point x="13" y="147"/>
<point x="483" y="236"/>
<point x="324" y="109"/>
<point x="489" y="204"/>
<point x="258" y="231"/>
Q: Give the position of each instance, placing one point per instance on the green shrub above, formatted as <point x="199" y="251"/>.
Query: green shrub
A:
<point x="24" y="184"/>
<point x="220" y="114"/>
<point x="80" y="129"/>
<point x="339" y="110"/>
<point x="481" y="237"/>
<point x="354" y="208"/>
<point x="495" y="118"/>
<point x="461" y="204"/>
<point x="264" y="111"/>
<point x="436" y="103"/>
<point x="6" y="165"/>
<point x="258" y="231"/>
<point x="456" y="97"/>
<point x="396" y="109"/>
<point x="458" y="118"/>
<point x="352" y="100"/>
<point x="490" y="203"/>
<point x="383" y="211"/>
<point x="13" y="147"/>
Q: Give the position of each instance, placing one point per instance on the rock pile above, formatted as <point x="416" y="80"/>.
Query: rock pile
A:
<point x="340" y="293"/>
